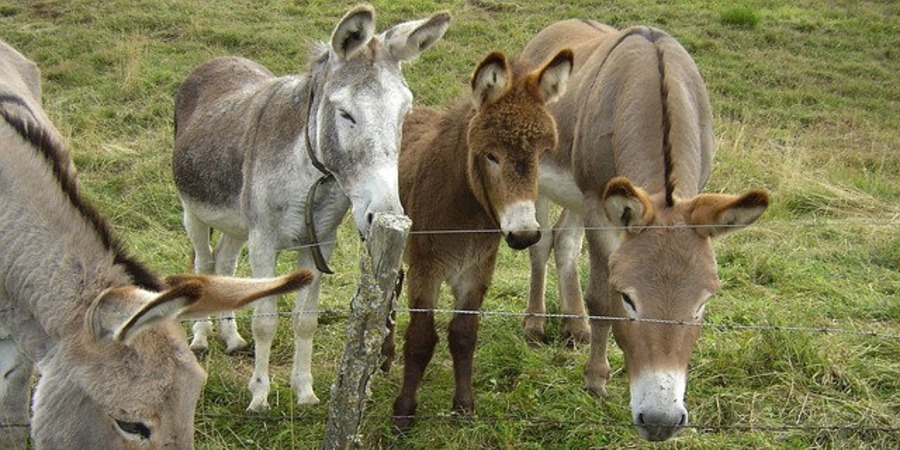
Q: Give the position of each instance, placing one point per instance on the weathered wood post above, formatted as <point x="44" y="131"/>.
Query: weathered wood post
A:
<point x="366" y="329"/>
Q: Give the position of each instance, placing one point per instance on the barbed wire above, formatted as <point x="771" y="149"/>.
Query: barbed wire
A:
<point x="720" y="327"/>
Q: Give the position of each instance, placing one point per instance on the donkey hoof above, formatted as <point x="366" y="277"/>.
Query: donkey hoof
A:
<point x="386" y="365"/>
<point x="404" y="415"/>
<point x="239" y="351"/>
<point x="307" y="399"/>
<point x="258" y="406"/>
<point x="534" y="337"/>
<point x="402" y="426"/>
<point x="576" y="337"/>
<point x="200" y="352"/>
<point x="597" y="389"/>
<point x="464" y="407"/>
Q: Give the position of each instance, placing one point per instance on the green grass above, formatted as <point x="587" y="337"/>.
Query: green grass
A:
<point x="806" y="104"/>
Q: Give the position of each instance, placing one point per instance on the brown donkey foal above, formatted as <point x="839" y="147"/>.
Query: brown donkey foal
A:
<point x="472" y="168"/>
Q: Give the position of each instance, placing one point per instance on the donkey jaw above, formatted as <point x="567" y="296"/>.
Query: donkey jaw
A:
<point x="519" y="226"/>
<point x="657" y="403"/>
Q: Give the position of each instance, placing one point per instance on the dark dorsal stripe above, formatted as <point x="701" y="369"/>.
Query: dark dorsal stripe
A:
<point x="50" y="149"/>
<point x="653" y="35"/>
<point x="666" y="131"/>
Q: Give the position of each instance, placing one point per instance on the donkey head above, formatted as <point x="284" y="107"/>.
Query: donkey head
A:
<point x="127" y="378"/>
<point x="507" y="136"/>
<point x="362" y="101"/>
<point x="665" y="269"/>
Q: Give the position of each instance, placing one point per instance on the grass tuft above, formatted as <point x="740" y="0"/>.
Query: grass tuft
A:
<point x="740" y="16"/>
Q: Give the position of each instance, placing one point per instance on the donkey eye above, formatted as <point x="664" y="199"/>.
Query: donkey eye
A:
<point x="632" y="308"/>
<point x="492" y="158"/>
<point x="137" y="429"/>
<point x="699" y="314"/>
<point x="346" y="116"/>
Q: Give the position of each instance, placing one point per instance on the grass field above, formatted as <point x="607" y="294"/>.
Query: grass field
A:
<point x="807" y="105"/>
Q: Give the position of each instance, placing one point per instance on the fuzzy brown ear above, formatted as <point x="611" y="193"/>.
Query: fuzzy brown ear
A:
<point x="718" y="214"/>
<point x="627" y="205"/>
<point x="229" y="293"/>
<point x="553" y="77"/>
<point x="490" y="80"/>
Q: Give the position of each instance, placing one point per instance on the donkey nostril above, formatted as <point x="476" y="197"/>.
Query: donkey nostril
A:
<point x="683" y="420"/>
<point x="369" y="218"/>
<point x="641" y="418"/>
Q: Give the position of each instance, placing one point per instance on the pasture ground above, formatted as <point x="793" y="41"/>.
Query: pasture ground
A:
<point x="807" y="103"/>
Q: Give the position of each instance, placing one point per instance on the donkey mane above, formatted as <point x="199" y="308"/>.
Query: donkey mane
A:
<point x="20" y="117"/>
<point x="666" y="130"/>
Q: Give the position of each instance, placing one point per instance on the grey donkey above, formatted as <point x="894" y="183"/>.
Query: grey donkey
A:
<point x="115" y="370"/>
<point x="252" y="156"/>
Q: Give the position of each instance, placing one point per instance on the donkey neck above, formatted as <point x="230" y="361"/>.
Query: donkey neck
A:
<point x="54" y="260"/>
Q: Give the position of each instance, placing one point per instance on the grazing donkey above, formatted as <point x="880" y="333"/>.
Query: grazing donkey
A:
<point x="115" y="368"/>
<point x="251" y="151"/>
<point x="635" y="149"/>
<point x="473" y="167"/>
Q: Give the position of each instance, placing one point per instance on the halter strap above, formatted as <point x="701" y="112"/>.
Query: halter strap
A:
<point x="316" y="248"/>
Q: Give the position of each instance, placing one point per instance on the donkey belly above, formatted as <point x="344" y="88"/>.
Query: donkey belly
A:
<point x="228" y="219"/>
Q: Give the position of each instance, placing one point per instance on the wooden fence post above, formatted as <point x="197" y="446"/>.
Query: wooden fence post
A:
<point x="366" y="329"/>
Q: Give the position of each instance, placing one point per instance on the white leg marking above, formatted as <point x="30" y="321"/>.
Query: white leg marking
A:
<point x="264" y="324"/>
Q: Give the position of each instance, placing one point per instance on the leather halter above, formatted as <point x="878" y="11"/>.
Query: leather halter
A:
<point x="316" y="248"/>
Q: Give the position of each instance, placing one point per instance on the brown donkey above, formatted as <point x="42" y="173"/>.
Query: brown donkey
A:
<point x="473" y="167"/>
<point x="101" y="330"/>
<point x="635" y="149"/>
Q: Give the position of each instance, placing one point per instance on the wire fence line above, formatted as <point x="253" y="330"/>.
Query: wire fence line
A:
<point x="530" y="420"/>
<point x="319" y="418"/>
<point x="720" y="327"/>
<point x="893" y="221"/>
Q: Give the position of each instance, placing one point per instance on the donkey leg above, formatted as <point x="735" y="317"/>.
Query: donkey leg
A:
<point x="264" y="324"/>
<point x="227" y="252"/>
<point x="567" y="236"/>
<point x="16" y="369"/>
<point x="596" y="370"/>
<point x="538" y="254"/>
<point x="305" y="321"/>
<point x="204" y="262"/>
<point x="418" y="345"/>
<point x="468" y="290"/>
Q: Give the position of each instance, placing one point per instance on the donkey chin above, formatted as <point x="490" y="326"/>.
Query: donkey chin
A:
<point x="657" y="404"/>
<point x="519" y="227"/>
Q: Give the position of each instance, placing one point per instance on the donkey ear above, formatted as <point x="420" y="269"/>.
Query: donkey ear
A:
<point x="228" y="293"/>
<point x="490" y="79"/>
<point x="119" y="313"/>
<point x="406" y="41"/>
<point x="553" y="77"/>
<point x="719" y="214"/>
<point x="627" y="205"/>
<point x="353" y="32"/>
<point x="124" y="312"/>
